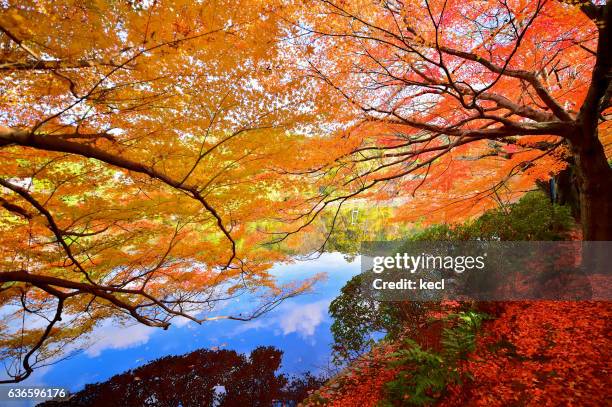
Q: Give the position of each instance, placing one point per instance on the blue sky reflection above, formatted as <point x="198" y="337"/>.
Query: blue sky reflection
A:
<point x="300" y="327"/>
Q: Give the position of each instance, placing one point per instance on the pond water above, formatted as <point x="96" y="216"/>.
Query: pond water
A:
<point x="300" y="327"/>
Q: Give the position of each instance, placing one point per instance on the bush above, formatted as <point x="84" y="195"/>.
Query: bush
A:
<point x="358" y="318"/>
<point x="424" y="373"/>
<point x="534" y="217"/>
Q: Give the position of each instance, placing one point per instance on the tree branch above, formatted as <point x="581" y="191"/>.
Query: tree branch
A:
<point x="24" y="138"/>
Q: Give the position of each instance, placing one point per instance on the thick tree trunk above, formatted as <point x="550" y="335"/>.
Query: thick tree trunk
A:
<point x="567" y="190"/>
<point x="594" y="177"/>
<point x="562" y="189"/>
<point x="592" y="168"/>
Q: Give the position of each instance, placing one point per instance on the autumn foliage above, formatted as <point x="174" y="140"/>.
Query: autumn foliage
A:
<point x="157" y="157"/>
<point x="138" y="146"/>
<point x="540" y="353"/>
<point x="457" y="106"/>
<point x="533" y="353"/>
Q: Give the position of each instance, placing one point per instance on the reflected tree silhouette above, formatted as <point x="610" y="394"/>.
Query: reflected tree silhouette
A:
<point x="200" y="378"/>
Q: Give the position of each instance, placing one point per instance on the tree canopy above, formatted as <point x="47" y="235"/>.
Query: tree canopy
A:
<point x="460" y="106"/>
<point x="136" y="152"/>
<point x="154" y="155"/>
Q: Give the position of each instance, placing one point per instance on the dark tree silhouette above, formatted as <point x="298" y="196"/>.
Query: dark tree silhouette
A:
<point x="200" y="378"/>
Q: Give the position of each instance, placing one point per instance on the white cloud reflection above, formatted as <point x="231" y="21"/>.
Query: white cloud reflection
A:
<point x="304" y="319"/>
<point x="119" y="337"/>
<point x="291" y="317"/>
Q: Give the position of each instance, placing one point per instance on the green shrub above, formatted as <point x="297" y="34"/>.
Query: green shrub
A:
<point x="425" y="374"/>
<point x="534" y="217"/>
<point x="358" y="319"/>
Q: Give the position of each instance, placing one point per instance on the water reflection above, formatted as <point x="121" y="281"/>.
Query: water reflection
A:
<point x="300" y="328"/>
<point x="222" y="378"/>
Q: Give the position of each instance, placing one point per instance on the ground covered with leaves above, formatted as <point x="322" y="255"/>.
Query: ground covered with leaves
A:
<point x="547" y="353"/>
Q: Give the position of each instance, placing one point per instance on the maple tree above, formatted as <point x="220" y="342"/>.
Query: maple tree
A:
<point x="147" y="149"/>
<point x="453" y="107"/>
<point x="136" y="141"/>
